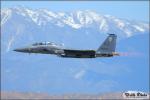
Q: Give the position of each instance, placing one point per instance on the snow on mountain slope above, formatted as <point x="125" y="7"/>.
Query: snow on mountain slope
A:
<point x="76" y="20"/>
<point x="24" y="25"/>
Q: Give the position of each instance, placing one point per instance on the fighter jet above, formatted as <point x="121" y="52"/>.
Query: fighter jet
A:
<point x="107" y="49"/>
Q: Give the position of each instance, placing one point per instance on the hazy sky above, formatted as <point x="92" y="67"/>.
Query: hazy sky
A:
<point x="134" y="10"/>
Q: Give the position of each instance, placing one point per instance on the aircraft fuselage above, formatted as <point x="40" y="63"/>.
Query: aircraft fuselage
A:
<point x="107" y="49"/>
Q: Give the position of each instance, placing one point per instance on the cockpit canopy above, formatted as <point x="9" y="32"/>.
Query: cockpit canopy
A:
<point x="46" y="43"/>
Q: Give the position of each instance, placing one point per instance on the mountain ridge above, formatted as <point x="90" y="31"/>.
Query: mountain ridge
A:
<point x="76" y="20"/>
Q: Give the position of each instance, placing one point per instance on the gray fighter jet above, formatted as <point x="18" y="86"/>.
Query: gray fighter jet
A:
<point x="107" y="49"/>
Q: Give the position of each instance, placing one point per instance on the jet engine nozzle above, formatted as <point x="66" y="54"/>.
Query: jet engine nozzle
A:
<point x="115" y="54"/>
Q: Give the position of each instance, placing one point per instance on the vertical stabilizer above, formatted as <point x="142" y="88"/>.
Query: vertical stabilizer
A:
<point x="109" y="45"/>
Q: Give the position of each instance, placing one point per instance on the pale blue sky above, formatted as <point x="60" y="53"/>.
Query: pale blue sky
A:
<point x="134" y="10"/>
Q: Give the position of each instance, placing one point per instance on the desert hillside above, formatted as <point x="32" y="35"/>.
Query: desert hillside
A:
<point x="21" y="95"/>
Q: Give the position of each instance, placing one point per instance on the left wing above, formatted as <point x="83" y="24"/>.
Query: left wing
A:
<point x="79" y="53"/>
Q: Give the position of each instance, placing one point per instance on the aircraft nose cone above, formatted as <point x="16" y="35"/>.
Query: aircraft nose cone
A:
<point x="21" y="50"/>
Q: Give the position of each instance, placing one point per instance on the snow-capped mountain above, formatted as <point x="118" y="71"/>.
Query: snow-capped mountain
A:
<point x="30" y="24"/>
<point x="75" y="20"/>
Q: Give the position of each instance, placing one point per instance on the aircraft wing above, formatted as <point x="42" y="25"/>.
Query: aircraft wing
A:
<point x="79" y="53"/>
